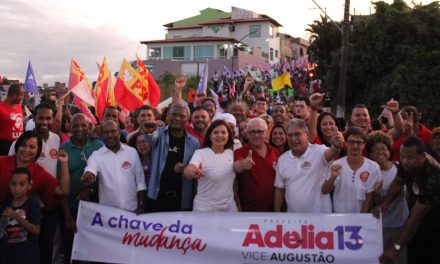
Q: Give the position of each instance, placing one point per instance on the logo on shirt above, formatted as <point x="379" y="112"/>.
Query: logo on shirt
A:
<point x="126" y="165"/>
<point x="53" y="153"/>
<point x="173" y="149"/>
<point x="415" y="188"/>
<point x="18" y="126"/>
<point x="364" y="176"/>
<point x="306" y="165"/>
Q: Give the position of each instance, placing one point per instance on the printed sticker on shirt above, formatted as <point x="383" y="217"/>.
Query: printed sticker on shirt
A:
<point x="126" y="165"/>
<point x="306" y="165"/>
<point x="53" y="153"/>
<point x="415" y="188"/>
<point x="174" y="149"/>
<point x="364" y="176"/>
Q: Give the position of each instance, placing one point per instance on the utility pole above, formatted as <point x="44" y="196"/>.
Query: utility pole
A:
<point x="342" y="87"/>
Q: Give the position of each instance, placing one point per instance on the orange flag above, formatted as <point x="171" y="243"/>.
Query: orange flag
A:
<point x="101" y="88"/>
<point x="77" y="75"/>
<point x="128" y="87"/>
<point x="111" y="100"/>
<point x="151" y="91"/>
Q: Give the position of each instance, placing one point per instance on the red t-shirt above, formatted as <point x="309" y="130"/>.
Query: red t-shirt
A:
<point x="194" y="133"/>
<point x="11" y="120"/>
<point x="424" y="134"/>
<point x="43" y="184"/>
<point x="256" y="186"/>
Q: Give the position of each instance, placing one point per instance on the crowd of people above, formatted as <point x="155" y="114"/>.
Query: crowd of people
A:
<point x="293" y="157"/>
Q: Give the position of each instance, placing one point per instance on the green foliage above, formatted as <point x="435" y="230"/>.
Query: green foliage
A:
<point x="166" y="84"/>
<point x="394" y="53"/>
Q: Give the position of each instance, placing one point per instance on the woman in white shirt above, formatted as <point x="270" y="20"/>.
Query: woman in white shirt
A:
<point x="379" y="146"/>
<point x="213" y="168"/>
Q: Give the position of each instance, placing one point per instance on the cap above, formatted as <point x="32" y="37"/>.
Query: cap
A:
<point x="228" y="118"/>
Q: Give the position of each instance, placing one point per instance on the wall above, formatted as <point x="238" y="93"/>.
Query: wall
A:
<point x="184" y="33"/>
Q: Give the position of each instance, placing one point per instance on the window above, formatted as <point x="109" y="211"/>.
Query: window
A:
<point x="255" y="31"/>
<point x="154" y="53"/>
<point x="271" y="31"/>
<point x="276" y="53"/>
<point x="177" y="53"/>
<point x="222" y="51"/>
<point x="203" y="52"/>
<point x="271" y="53"/>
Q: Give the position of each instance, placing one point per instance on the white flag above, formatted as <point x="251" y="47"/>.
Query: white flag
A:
<point x="82" y="91"/>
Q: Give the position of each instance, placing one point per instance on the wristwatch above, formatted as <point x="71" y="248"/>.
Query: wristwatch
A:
<point x="397" y="247"/>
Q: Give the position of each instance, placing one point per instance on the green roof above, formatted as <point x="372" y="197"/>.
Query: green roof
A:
<point x="205" y="15"/>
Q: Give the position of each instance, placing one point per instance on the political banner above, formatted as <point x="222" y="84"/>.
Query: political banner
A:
<point x="111" y="235"/>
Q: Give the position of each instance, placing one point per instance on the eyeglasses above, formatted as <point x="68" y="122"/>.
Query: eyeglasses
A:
<point x="355" y="142"/>
<point x="256" y="132"/>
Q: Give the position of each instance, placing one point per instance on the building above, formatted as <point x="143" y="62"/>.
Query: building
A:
<point x="232" y="39"/>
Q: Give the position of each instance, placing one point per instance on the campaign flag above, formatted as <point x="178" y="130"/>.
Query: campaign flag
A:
<point x="77" y="75"/>
<point x="284" y="68"/>
<point x="220" y="87"/>
<point x="30" y="84"/>
<point x="226" y="70"/>
<point x="111" y="100"/>
<point x="102" y="88"/>
<point x="216" y="99"/>
<point x="191" y="95"/>
<point x="81" y="90"/>
<point x="232" y="90"/>
<point x="128" y="87"/>
<point x="151" y="91"/>
<point x="203" y="83"/>
<point x="279" y="82"/>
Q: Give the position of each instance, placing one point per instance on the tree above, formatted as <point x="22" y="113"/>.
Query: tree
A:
<point x="394" y="53"/>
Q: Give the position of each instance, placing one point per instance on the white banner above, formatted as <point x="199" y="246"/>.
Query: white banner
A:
<point x="107" y="234"/>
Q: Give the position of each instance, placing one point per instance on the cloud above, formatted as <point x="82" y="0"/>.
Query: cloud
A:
<point x="50" y="41"/>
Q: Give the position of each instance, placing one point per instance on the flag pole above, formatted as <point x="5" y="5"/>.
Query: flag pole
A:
<point x="64" y="96"/>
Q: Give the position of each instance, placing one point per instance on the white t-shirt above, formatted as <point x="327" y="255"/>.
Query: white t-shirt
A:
<point x="397" y="212"/>
<point x="120" y="176"/>
<point x="215" y="189"/>
<point x="351" y="188"/>
<point x="302" y="178"/>
<point x="48" y="156"/>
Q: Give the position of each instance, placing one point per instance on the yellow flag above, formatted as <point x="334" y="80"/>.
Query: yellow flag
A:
<point x="279" y="82"/>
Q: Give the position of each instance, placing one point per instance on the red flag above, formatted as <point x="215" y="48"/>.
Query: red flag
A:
<point x="128" y="87"/>
<point x="151" y="91"/>
<point x="76" y="75"/>
<point x="101" y="88"/>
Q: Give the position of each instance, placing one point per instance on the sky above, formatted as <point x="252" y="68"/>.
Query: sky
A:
<point x="50" y="33"/>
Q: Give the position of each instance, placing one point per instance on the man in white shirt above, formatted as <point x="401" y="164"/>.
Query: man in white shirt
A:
<point x="301" y="171"/>
<point x="118" y="170"/>
<point x="353" y="177"/>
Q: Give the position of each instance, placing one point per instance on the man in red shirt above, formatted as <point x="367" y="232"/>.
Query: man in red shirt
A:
<point x="255" y="167"/>
<point x="200" y="121"/>
<point x="11" y="117"/>
<point x="412" y="128"/>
